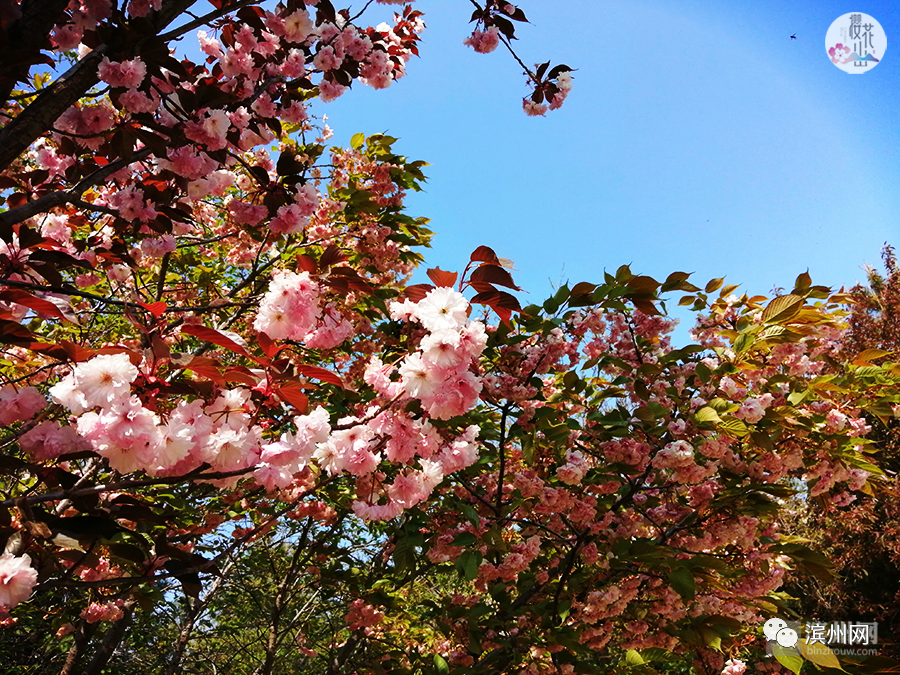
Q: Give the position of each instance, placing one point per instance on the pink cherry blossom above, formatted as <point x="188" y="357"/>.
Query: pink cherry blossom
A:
<point x="297" y="26"/>
<point x="290" y="307"/>
<point x="734" y="667"/>
<point x="49" y="440"/>
<point x="128" y="74"/>
<point x="102" y="611"/>
<point x="103" y="380"/>
<point x="533" y="109"/>
<point x="442" y="308"/>
<point x="484" y="42"/>
<point x="17" y="578"/>
<point x="17" y="405"/>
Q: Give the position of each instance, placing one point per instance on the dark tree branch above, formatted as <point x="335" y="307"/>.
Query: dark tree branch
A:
<point x="29" y="33"/>
<point x="122" y="485"/>
<point x="73" y="194"/>
<point x="54" y="100"/>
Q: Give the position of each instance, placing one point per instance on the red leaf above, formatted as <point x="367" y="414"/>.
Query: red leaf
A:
<point x="504" y="314"/>
<point x="76" y="352"/>
<point x="442" y="278"/>
<point x="157" y="309"/>
<point x="214" y="336"/>
<point x="306" y="264"/>
<point x="485" y="254"/>
<point x="241" y="375"/>
<point x="500" y="301"/>
<point x="31" y="302"/>
<point x="582" y="288"/>
<point x="482" y="287"/>
<point x="332" y="256"/>
<point x="208" y="368"/>
<point x="416" y="292"/>
<point x="353" y="280"/>
<point x="321" y="374"/>
<point x="493" y="274"/>
<point x="645" y="304"/>
<point x="54" y="351"/>
<point x="268" y="345"/>
<point x="17" y="199"/>
<point x="292" y="392"/>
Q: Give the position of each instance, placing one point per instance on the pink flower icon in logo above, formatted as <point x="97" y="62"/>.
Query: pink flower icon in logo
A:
<point x="838" y="53"/>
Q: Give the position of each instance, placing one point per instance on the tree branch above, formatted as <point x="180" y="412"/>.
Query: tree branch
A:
<point x="72" y="195"/>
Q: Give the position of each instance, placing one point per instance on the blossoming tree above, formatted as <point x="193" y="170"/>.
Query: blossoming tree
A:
<point x="218" y="388"/>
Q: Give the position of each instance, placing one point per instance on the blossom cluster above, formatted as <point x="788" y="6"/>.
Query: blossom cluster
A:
<point x="17" y="578"/>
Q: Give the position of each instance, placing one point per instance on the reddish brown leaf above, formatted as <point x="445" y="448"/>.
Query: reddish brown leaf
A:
<point x="34" y="303"/>
<point x="292" y="392"/>
<point x="442" y="278"/>
<point x="485" y="254"/>
<point x="321" y="374"/>
<point x="646" y="305"/>
<point x="208" y="368"/>
<point x="354" y="281"/>
<point x="268" y="345"/>
<point x="53" y="351"/>
<point x="241" y="375"/>
<point x="482" y="287"/>
<point x="16" y="200"/>
<point x="306" y="264"/>
<point x="161" y="350"/>
<point x="493" y="274"/>
<point x="497" y="299"/>
<point x="214" y="336"/>
<point x="416" y="292"/>
<point x="157" y="309"/>
<point x="332" y="256"/>
<point x="582" y="288"/>
<point x="76" y="352"/>
<point x="643" y="283"/>
<point x="15" y="333"/>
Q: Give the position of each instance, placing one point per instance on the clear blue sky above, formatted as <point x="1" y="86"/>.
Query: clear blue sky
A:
<point x="698" y="137"/>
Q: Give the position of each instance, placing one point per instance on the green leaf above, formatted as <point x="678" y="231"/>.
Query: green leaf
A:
<point x="707" y="414"/>
<point x="711" y="638"/>
<point x="796" y="397"/>
<point x="683" y="582"/>
<point x="744" y="342"/>
<point x="703" y="372"/>
<point x="633" y="658"/>
<point x="782" y="308"/>
<point x="357" y="140"/>
<point x="733" y="426"/>
<point x="565" y="606"/>
<point x="471" y="514"/>
<point x="441" y="665"/>
<point x="789" y="658"/>
<point x="467" y="564"/>
<point x="714" y="285"/>
<point x="820" y="654"/>
<point x="728" y="290"/>
<point x="464" y="539"/>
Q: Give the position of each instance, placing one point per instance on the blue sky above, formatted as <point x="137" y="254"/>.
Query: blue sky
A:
<point x="698" y="137"/>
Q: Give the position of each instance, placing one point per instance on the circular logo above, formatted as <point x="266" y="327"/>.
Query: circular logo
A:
<point x="855" y="43"/>
<point x="772" y="626"/>
<point x="786" y="637"/>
